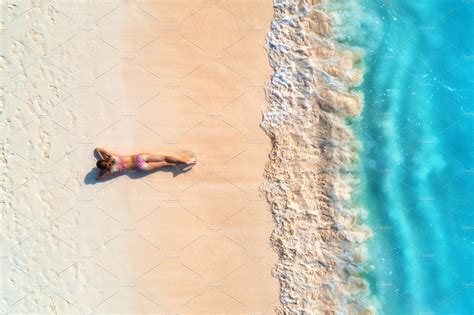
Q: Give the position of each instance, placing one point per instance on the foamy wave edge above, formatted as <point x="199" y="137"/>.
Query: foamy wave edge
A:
<point x="319" y="235"/>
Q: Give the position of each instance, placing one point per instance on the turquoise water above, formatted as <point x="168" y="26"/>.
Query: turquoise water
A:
<point x="417" y="161"/>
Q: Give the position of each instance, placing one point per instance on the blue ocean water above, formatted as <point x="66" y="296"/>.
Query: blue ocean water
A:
<point x="417" y="160"/>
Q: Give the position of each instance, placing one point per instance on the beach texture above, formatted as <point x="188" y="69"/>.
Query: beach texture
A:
<point x="179" y="77"/>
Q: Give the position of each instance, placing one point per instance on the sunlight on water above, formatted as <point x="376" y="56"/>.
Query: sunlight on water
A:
<point x="417" y="162"/>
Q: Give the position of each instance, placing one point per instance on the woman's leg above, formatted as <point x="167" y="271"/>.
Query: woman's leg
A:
<point x="156" y="165"/>
<point x="176" y="160"/>
<point x="153" y="157"/>
<point x="166" y="158"/>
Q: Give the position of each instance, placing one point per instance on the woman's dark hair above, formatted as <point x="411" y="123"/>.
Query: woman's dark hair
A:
<point x="102" y="164"/>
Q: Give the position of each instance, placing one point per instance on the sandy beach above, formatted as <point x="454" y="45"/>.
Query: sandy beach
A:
<point x="178" y="77"/>
<point x="333" y="142"/>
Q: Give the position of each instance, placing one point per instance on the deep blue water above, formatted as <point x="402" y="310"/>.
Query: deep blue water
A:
<point x="417" y="161"/>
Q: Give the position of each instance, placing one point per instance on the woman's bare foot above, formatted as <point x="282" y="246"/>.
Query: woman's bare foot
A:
<point x="188" y="165"/>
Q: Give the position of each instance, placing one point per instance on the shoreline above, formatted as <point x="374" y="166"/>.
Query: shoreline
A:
<point x="319" y="237"/>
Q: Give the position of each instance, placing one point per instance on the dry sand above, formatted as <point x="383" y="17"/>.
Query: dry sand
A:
<point x="132" y="76"/>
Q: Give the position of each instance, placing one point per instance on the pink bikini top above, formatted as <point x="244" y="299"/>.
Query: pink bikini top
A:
<point x="120" y="163"/>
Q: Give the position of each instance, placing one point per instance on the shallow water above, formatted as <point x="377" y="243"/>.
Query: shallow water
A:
<point x="417" y="161"/>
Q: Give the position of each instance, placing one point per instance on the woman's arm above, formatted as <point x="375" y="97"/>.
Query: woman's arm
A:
<point x="103" y="174"/>
<point x="104" y="154"/>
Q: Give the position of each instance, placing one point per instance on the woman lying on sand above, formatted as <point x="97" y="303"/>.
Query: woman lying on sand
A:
<point x="110" y="163"/>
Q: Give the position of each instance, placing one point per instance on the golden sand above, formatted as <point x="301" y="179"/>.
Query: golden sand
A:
<point x="132" y="76"/>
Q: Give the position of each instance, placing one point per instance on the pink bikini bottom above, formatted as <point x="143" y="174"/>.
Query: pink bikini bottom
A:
<point x="140" y="163"/>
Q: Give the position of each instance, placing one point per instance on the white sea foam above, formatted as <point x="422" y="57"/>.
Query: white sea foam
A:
<point x="318" y="236"/>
